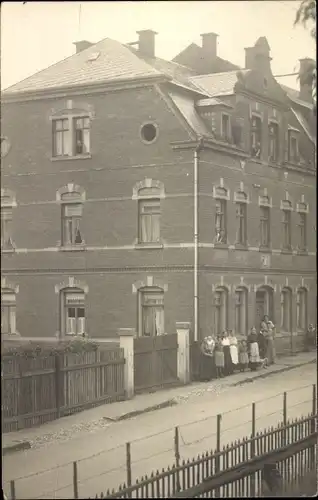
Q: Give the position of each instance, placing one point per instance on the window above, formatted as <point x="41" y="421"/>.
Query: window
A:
<point x="149" y="132"/>
<point x="256" y="137"/>
<point x="293" y="154"/>
<point x="71" y="136"/>
<point x="241" y="311"/>
<point x="273" y="132"/>
<point x="225" y="127"/>
<point x="6" y="228"/>
<point x="74" y="312"/>
<point x="82" y="135"/>
<point x="286" y="222"/>
<point x="8" y="312"/>
<point x="220" y="221"/>
<point x="286" y="308"/>
<point x="241" y="212"/>
<point x="60" y="137"/>
<point x="71" y="219"/>
<point x="301" y="310"/>
<point x="151" y="318"/>
<point x="302" y="225"/>
<point x="265" y="227"/>
<point x="149" y="220"/>
<point x="220" y="310"/>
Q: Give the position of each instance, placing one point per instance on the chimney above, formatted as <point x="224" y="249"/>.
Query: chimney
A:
<point x="82" y="45"/>
<point x="249" y="57"/>
<point x="209" y="45"/>
<point x="305" y="78"/>
<point x="146" y="43"/>
<point x="257" y="57"/>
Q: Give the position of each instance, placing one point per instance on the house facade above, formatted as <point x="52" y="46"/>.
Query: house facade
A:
<point x="112" y="159"/>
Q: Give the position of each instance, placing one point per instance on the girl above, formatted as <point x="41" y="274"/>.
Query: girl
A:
<point x="219" y="358"/>
<point x="243" y="355"/>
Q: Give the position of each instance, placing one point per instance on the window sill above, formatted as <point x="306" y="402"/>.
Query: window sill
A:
<point x="140" y="246"/>
<point x="6" y="335"/>
<point x="221" y="246"/>
<point x="7" y="250"/>
<point x="72" y="248"/>
<point x="76" y="157"/>
<point x="286" y="251"/>
<point x="240" y="246"/>
<point x="265" y="249"/>
<point x="302" y="252"/>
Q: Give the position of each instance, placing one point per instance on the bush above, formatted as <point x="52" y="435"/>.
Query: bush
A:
<point x="33" y="349"/>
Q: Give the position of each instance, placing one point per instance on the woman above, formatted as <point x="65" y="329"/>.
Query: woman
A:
<point x="253" y="349"/>
<point x="228" y="366"/>
<point x="219" y="358"/>
<point x="262" y="344"/>
<point x="233" y="350"/>
<point x="206" y="361"/>
<point x="270" y="348"/>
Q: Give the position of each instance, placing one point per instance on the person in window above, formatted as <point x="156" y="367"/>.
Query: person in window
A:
<point x="207" y="359"/>
<point x="220" y="236"/>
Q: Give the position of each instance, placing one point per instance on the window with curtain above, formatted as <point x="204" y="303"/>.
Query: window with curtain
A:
<point x="149" y="220"/>
<point x="74" y="312"/>
<point x="256" y="137"/>
<point x="241" y="311"/>
<point x="71" y="221"/>
<point x="301" y="309"/>
<point x="273" y="133"/>
<point x="241" y="223"/>
<point x="220" y="310"/>
<point x="8" y="312"/>
<point x="220" y="221"/>
<point x="302" y="223"/>
<point x="82" y="135"/>
<point x="152" y="312"/>
<point x="61" y="130"/>
<point x="286" y="309"/>
<point x="264" y="227"/>
<point x="286" y="223"/>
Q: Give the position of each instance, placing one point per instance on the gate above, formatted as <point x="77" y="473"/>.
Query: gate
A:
<point x="156" y="362"/>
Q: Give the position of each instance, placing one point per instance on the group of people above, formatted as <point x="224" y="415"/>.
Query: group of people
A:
<point x="224" y="354"/>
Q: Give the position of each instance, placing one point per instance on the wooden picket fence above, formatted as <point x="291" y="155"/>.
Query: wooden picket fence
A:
<point x="237" y="470"/>
<point x="42" y="389"/>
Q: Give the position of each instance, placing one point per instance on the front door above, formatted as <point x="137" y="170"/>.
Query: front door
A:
<point x="260" y="308"/>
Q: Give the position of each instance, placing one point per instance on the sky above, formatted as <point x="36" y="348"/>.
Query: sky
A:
<point x="35" y="35"/>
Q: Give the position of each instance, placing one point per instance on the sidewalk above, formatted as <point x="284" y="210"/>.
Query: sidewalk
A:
<point x="109" y="414"/>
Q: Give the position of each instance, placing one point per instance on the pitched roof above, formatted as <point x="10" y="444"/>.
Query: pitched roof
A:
<point x="186" y="107"/>
<point x="110" y="61"/>
<point x="193" y="56"/>
<point x="217" y="84"/>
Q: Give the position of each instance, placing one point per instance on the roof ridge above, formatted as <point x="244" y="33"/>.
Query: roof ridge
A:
<point x="221" y="73"/>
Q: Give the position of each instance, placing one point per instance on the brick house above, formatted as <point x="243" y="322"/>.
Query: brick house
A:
<point x="106" y="178"/>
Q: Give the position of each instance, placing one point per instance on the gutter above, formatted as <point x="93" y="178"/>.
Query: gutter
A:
<point x="197" y="150"/>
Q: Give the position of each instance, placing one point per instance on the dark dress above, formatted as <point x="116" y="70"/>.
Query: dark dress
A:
<point x="228" y="365"/>
<point x="207" y="367"/>
<point x="262" y="344"/>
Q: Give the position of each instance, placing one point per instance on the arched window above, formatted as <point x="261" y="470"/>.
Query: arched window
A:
<point x="8" y="311"/>
<point x="148" y="194"/>
<point x="301" y="309"/>
<point x="241" y="303"/>
<point x="286" y="309"/>
<point x="71" y="198"/>
<point x="7" y="204"/>
<point x="151" y="312"/>
<point x="241" y="201"/>
<point x="264" y="304"/>
<point x="73" y="312"/>
<point x="220" y="310"/>
<point x="265" y="205"/>
<point x="286" y="208"/>
<point x="302" y="209"/>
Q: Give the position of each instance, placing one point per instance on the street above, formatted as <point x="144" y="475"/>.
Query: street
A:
<point x="196" y="418"/>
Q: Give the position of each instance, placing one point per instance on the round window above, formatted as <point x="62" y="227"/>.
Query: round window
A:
<point x="149" y="132"/>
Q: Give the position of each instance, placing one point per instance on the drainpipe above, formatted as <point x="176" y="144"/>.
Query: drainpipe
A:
<point x="196" y="240"/>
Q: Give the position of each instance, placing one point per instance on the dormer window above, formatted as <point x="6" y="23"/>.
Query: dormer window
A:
<point x="273" y="132"/>
<point x="256" y="137"/>
<point x="293" y="152"/>
<point x="225" y="127"/>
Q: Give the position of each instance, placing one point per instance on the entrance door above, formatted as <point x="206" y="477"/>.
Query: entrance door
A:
<point x="260" y="308"/>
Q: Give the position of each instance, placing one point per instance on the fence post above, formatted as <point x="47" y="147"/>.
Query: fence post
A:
<point x="313" y="425"/>
<point x="177" y="454"/>
<point x="285" y="408"/>
<point x="58" y="385"/>
<point x="253" y="434"/>
<point x="314" y="399"/>
<point x="12" y="490"/>
<point x="126" y="339"/>
<point x="75" y="484"/>
<point x="183" y="331"/>
<point x="218" y="448"/>
<point x="128" y="464"/>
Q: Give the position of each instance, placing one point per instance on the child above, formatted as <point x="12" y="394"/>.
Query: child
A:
<point x="243" y="356"/>
<point x="219" y="359"/>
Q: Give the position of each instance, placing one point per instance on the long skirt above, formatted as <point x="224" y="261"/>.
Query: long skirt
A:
<point x="228" y="365"/>
<point x="270" y="351"/>
<point x="207" y="368"/>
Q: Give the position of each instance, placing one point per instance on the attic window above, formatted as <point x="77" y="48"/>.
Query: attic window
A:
<point x="93" y="56"/>
<point x="149" y="132"/>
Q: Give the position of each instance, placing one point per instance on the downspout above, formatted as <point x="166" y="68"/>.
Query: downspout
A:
<point x="196" y="240"/>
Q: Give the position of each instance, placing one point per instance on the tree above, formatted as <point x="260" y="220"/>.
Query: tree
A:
<point x="306" y="14"/>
